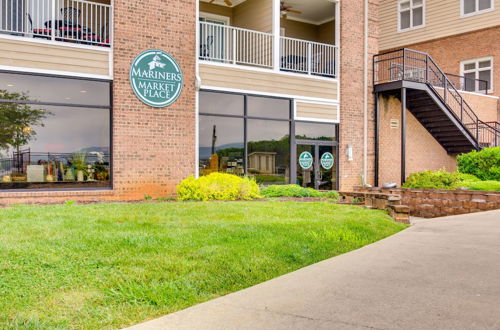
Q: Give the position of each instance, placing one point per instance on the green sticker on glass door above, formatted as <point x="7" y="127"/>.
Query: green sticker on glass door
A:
<point x="327" y="160"/>
<point x="305" y="160"/>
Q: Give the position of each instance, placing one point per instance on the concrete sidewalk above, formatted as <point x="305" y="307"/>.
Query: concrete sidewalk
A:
<point x="439" y="274"/>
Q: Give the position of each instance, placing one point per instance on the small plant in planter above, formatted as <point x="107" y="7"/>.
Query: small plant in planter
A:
<point x="78" y="162"/>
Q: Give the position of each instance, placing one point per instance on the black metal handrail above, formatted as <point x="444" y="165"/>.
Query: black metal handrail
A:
<point x="463" y="83"/>
<point x="416" y="66"/>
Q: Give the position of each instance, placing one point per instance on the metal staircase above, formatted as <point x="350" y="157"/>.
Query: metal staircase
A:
<point x="434" y="99"/>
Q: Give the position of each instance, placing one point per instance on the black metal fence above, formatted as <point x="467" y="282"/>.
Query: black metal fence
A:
<point x="415" y="66"/>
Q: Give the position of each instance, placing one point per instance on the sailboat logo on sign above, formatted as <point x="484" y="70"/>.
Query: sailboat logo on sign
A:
<point x="156" y="78"/>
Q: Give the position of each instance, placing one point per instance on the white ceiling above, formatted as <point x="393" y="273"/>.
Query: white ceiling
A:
<point x="313" y="11"/>
<point x="221" y="2"/>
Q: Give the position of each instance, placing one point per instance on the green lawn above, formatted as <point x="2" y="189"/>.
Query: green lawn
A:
<point x="113" y="265"/>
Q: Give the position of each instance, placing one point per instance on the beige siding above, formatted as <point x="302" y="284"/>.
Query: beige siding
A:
<point x="267" y="82"/>
<point x="254" y="15"/>
<point x="324" y="33"/>
<point x="442" y="19"/>
<point x="317" y="111"/>
<point x="32" y="55"/>
<point x="216" y="10"/>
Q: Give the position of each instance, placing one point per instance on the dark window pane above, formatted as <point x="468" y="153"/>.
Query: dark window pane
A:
<point x="405" y="19"/>
<point x="486" y="76"/>
<point x="470" y="81"/>
<point x="315" y="131"/>
<point x="269" y="151"/>
<point x="484" y="4"/>
<point x="55" y="90"/>
<point x="418" y="16"/>
<point x="469" y="6"/>
<point x="268" y="107"/>
<point x="221" y="145"/>
<point x="53" y="147"/>
<point x="221" y="103"/>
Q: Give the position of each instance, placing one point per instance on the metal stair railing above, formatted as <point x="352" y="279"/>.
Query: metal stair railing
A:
<point x="416" y="66"/>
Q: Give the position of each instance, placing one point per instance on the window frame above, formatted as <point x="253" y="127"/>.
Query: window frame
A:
<point x="110" y="108"/>
<point x="477" y="70"/>
<point x="399" y="11"/>
<point x="476" y="12"/>
<point x="292" y="120"/>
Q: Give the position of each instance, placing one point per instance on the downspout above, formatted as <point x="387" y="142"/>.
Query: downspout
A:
<point x="365" y="100"/>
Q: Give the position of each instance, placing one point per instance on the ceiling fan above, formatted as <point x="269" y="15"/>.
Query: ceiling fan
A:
<point x="227" y="2"/>
<point x="284" y="9"/>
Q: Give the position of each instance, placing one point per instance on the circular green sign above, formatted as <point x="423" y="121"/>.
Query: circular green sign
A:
<point x="327" y="160"/>
<point x="156" y="78"/>
<point x="305" y="160"/>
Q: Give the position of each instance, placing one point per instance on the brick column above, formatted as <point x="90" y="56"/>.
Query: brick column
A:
<point x="352" y="90"/>
<point x="153" y="149"/>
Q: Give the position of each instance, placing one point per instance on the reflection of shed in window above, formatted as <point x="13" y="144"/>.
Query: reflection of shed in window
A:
<point x="262" y="162"/>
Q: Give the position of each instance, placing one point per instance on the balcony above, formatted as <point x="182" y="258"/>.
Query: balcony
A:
<point x="70" y="21"/>
<point x="241" y="33"/>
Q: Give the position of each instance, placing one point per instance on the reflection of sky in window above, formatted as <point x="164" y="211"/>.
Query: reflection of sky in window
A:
<point x="229" y="132"/>
<point x="314" y="130"/>
<point x="220" y="103"/>
<point x="268" y="107"/>
<point x="68" y="130"/>
<point x="266" y="130"/>
<point x="57" y="90"/>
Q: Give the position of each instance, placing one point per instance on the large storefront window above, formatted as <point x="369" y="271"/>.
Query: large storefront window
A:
<point x="54" y="132"/>
<point x="250" y="135"/>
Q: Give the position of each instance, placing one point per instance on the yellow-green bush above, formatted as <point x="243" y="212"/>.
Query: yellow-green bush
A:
<point x="218" y="186"/>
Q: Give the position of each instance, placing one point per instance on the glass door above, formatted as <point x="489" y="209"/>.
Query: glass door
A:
<point x="305" y="166"/>
<point x="317" y="165"/>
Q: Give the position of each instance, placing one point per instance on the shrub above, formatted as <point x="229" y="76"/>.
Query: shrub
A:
<point x="218" y="186"/>
<point x="293" y="190"/>
<point x="484" y="185"/>
<point x="438" y="180"/>
<point x="484" y="164"/>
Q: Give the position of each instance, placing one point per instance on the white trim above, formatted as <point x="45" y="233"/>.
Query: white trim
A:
<point x="276" y="35"/>
<point x="54" y="72"/>
<point x="411" y="28"/>
<point x="55" y="43"/>
<point x="477" y="12"/>
<point x="477" y="69"/>
<point x="112" y="39"/>
<point x="270" y="70"/>
<point x="307" y="21"/>
<point x="197" y="97"/>
<point x="286" y="96"/>
<point x="221" y="18"/>
<point x="301" y="100"/>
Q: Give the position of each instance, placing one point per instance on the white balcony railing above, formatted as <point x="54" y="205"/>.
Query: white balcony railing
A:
<point x="77" y="21"/>
<point x="227" y="44"/>
<point x="309" y="57"/>
<point x="231" y="45"/>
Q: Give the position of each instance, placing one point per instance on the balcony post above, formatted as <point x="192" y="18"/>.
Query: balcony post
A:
<point x="235" y="44"/>
<point x="403" y="135"/>
<point x="276" y="39"/>
<point x="309" y="59"/>
<point x="53" y="20"/>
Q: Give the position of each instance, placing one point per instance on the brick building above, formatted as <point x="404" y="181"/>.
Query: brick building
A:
<point x="458" y="38"/>
<point x="263" y="88"/>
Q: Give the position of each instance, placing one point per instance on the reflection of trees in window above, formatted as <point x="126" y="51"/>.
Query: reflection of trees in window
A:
<point x="281" y="147"/>
<point x="17" y="121"/>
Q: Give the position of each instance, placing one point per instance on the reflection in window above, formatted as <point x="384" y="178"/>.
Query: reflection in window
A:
<point x="221" y="145"/>
<point x="268" y="107"/>
<point x="269" y="151"/>
<point x="45" y="146"/>
<point x="315" y="131"/>
<point x="221" y="103"/>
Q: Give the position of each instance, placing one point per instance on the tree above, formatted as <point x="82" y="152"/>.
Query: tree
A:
<point x="17" y="121"/>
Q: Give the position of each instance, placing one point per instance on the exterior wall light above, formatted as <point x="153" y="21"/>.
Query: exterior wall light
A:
<point x="349" y="153"/>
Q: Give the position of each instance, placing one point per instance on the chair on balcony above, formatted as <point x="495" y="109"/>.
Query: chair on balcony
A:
<point x="70" y="27"/>
<point x="44" y="33"/>
<point x="205" y="49"/>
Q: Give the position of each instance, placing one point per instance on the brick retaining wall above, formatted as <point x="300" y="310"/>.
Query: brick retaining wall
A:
<point x="431" y="203"/>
